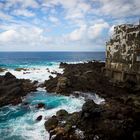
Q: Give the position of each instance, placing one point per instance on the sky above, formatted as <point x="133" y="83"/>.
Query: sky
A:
<point x="62" y="25"/>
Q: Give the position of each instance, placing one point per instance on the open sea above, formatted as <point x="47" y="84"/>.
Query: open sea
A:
<point x="19" y="122"/>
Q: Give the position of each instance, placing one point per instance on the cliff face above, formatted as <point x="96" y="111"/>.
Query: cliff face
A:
<point x="123" y="53"/>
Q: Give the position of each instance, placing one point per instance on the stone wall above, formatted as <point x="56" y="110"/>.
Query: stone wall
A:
<point x="123" y="53"/>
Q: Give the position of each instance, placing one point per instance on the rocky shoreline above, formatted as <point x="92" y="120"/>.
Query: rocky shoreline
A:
<point x="12" y="89"/>
<point x="117" y="119"/>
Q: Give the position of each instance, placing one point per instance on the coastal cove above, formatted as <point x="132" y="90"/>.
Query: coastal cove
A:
<point x="69" y="70"/>
<point x="71" y="100"/>
<point x="19" y="122"/>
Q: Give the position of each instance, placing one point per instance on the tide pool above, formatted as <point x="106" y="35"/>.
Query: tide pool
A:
<point x="19" y="122"/>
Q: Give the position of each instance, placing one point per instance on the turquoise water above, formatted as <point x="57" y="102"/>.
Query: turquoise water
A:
<point x="19" y="122"/>
<point x="19" y="59"/>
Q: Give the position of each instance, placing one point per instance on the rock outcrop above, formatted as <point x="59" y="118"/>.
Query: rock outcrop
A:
<point x="117" y="119"/>
<point x="86" y="77"/>
<point x="12" y="89"/>
<point x="2" y="69"/>
<point x="114" y="120"/>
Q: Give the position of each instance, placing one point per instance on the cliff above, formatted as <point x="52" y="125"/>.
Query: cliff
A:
<point x="123" y="54"/>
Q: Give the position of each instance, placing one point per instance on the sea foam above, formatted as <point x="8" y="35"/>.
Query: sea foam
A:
<point x="20" y="121"/>
<point x="36" y="72"/>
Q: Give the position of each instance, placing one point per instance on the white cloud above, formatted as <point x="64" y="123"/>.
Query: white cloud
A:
<point x="23" y="12"/>
<point x="96" y="30"/>
<point x="92" y="32"/>
<point x="86" y="22"/>
<point x="77" y="34"/>
<point x="54" y="19"/>
<point x="111" y="30"/>
<point x="31" y="36"/>
<point x="118" y="8"/>
<point x="74" y="10"/>
<point x="21" y="3"/>
<point x="66" y="4"/>
<point x="4" y="16"/>
<point x="8" y="35"/>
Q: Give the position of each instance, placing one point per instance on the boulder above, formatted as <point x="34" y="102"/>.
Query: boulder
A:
<point x="88" y="106"/>
<point x="13" y="89"/>
<point x="62" y="84"/>
<point x="21" y="69"/>
<point x="62" y="113"/>
<point x="8" y="75"/>
<point x="40" y="105"/>
<point x="51" y="123"/>
<point x="39" y="118"/>
<point x="2" y="69"/>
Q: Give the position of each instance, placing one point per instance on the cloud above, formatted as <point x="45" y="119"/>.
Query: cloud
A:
<point x="8" y="35"/>
<point x="23" y="36"/>
<point x="4" y="16"/>
<point x="21" y="3"/>
<point x="118" y="8"/>
<point x="96" y="30"/>
<point x="23" y="12"/>
<point x="111" y="30"/>
<point x="88" y="32"/>
<point x="77" y="34"/>
<point x="62" y="24"/>
<point x="54" y="19"/>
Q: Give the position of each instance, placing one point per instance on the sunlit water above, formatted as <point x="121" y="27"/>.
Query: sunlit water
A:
<point x="19" y="122"/>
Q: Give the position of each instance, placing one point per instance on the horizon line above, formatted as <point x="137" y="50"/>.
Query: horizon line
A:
<point x="49" y="51"/>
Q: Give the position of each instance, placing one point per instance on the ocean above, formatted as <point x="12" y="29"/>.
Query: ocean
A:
<point x="19" y="122"/>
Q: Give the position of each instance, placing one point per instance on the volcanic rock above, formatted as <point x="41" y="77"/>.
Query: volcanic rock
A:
<point x="13" y="89"/>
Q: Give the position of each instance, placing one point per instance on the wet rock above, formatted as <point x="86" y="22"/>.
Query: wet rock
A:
<point x="73" y="118"/>
<point x="28" y="85"/>
<point x="25" y="103"/>
<point x="54" y="72"/>
<point x="8" y="75"/>
<point x="50" y="77"/>
<point x="88" y="106"/>
<point x="21" y="69"/>
<point x="13" y="89"/>
<point x="117" y="119"/>
<point x="40" y="105"/>
<point x="2" y="69"/>
<point x="62" y="113"/>
<point x="51" y="123"/>
<point x="62" y="84"/>
<point x="90" y="109"/>
<point x="39" y="118"/>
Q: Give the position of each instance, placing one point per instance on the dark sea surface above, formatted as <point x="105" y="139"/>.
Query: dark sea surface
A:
<point x="9" y="59"/>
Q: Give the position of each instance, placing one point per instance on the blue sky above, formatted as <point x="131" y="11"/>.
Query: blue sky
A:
<point x="62" y="25"/>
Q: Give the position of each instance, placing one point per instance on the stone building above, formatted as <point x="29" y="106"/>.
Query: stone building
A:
<point x="123" y="54"/>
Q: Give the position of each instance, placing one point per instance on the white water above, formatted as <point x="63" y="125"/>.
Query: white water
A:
<point x="20" y="121"/>
<point x="39" y="73"/>
<point x="25" y="126"/>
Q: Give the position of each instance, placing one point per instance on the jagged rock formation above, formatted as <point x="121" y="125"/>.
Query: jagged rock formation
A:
<point x="123" y="54"/>
<point x="12" y="89"/>
<point x="97" y="122"/>
<point x="86" y="77"/>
